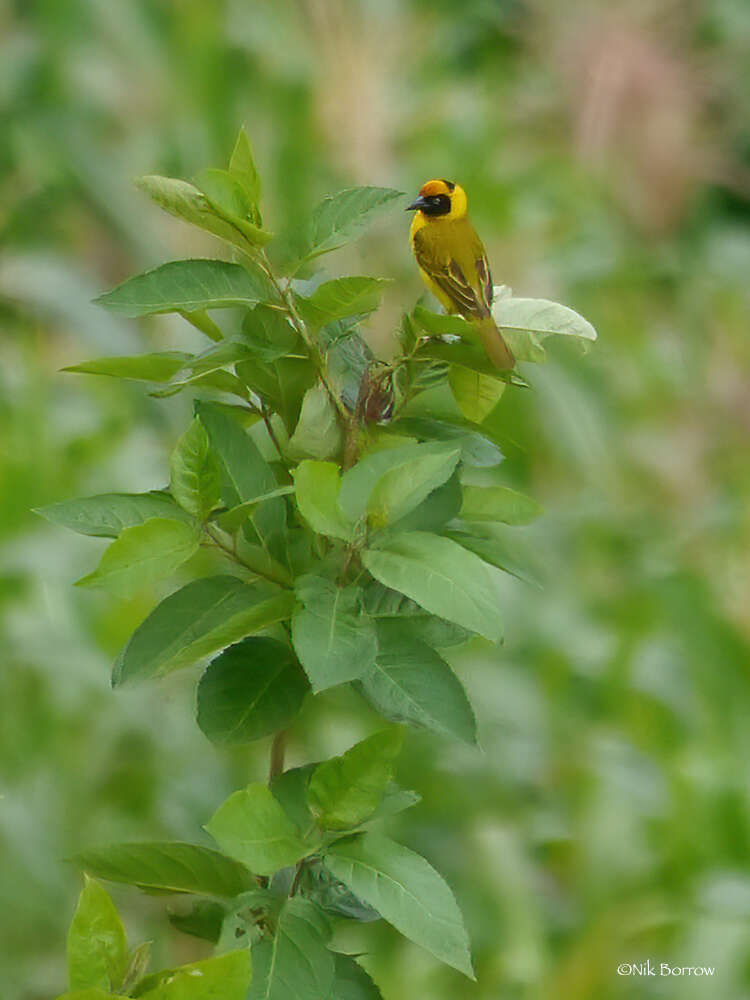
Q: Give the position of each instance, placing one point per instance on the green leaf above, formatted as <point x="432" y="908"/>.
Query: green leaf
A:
<point x="227" y="196"/>
<point x="230" y="520"/>
<point x="410" y="682"/>
<point x="340" y="298"/>
<point x="477" y="395"/>
<point x="334" y="640"/>
<point x="252" y="827"/>
<point x="290" y="789"/>
<point x="86" y="995"/>
<point x="224" y="977"/>
<point x="203" y="920"/>
<point x="188" y="203"/>
<point x="296" y="964"/>
<point x="282" y="384"/>
<point x="436" y="510"/>
<point x="341" y="215"/>
<point x="476" y="448"/>
<point x="195" y="478"/>
<point x="268" y="334"/>
<point x="97" y="946"/>
<point x="347" y="789"/>
<point x="242" y="166"/>
<point x="317" y="434"/>
<point x="317" y="486"/>
<point x="496" y="551"/>
<point x="159" y="367"/>
<point x="201" y="618"/>
<point x="137" y="965"/>
<point x="108" y="514"/>
<point x="142" y="555"/>
<point x="527" y="322"/>
<point x="352" y="982"/>
<point x="498" y="503"/>
<point x="406" y="891"/>
<point x="440" y="324"/>
<point x="404" y="487"/>
<point x="246" y="473"/>
<point x="358" y="483"/>
<point x="170" y="866"/>
<point x="439" y="575"/>
<point x="186" y="285"/>
<point x="251" y="690"/>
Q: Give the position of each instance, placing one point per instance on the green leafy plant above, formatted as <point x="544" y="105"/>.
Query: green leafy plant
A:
<point x="357" y="521"/>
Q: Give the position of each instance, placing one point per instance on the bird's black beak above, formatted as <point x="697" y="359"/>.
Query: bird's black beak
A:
<point x="418" y="203"/>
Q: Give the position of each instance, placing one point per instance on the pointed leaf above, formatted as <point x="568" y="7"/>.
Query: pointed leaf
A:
<point x="476" y="448"/>
<point x="498" y="503"/>
<point x="108" y="514"/>
<point x="296" y="964"/>
<point x="441" y="576"/>
<point x="252" y="827"/>
<point x="404" y="487"/>
<point x="224" y="977"/>
<point x="97" y="946"/>
<point x="253" y="689"/>
<point x="347" y="789"/>
<point x="340" y="298"/>
<point x="169" y="866"/>
<point x="186" y="285"/>
<point x="410" y="682"/>
<point x="334" y="640"/>
<point x="201" y="618"/>
<point x="352" y="982"/>
<point x="528" y="322"/>
<point x="406" y="891"/>
<point x="341" y="215"/>
<point x="317" y="486"/>
<point x="242" y="166"/>
<point x="476" y="394"/>
<point x="143" y="555"/>
<point x="318" y="433"/>
<point x="195" y="480"/>
<point x="228" y="198"/>
<point x="142" y="367"/>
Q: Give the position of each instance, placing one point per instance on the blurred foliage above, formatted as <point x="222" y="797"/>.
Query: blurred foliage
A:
<point x="606" y="153"/>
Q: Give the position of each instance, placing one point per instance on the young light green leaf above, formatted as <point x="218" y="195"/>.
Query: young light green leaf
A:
<point x="341" y="215"/>
<point x="159" y="367"/>
<point x="108" y="514"/>
<point x="195" y="480"/>
<point x="296" y="964"/>
<point x="228" y="198"/>
<point x="317" y="486"/>
<point x="358" y="483"/>
<point x="477" y="394"/>
<point x="333" y="638"/>
<point x="142" y="555"/>
<point x="186" y="202"/>
<point x="476" y="448"/>
<point x="406" y="891"/>
<point x="352" y="982"/>
<point x="224" y="976"/>
<point x="252" y="827"/>
<point x="242" y="166"/>
<point x="439" y="575"/>
<point x="410" y="682"/>
<point x="498" y="503"/>
<point x="340" y="298"/>
<point x="528" y="322"/>
<point x="436" y="510"/>
<point x="318" y="433"/>
<point x="97" y="946"/>
<point x="170" y="866"/>
<point x="249" y="691"/>
<point x="404" y="487"/>
<point x="201" y="618"/>
<point x="346" y="790"/>
<point x="186" y="285"/>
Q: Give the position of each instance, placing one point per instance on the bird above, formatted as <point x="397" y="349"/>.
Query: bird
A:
<point x="453" y="263"/>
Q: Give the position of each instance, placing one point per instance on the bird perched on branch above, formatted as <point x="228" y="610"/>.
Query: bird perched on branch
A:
<point x="453" y="263"/>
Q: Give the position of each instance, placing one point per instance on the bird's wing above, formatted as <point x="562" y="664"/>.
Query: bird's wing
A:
<point x="469" y="299"/>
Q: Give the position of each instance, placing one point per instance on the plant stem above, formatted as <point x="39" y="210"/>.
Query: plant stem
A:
<point x="230" y="552"/>
<point x="278" y="749"/>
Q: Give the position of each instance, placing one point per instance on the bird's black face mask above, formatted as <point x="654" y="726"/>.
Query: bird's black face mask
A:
<point x="434" y="204"/>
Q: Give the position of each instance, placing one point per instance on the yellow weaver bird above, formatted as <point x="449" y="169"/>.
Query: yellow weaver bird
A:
<point x="453" y="264"/>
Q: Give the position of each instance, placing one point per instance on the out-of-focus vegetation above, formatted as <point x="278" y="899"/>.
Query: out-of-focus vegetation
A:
<point x="607" y="159"/>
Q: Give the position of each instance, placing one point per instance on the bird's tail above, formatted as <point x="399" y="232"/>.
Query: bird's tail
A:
<point x="497" y="350"/>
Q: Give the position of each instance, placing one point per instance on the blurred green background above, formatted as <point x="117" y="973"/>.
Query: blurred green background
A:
<point x="606" y="152"/>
